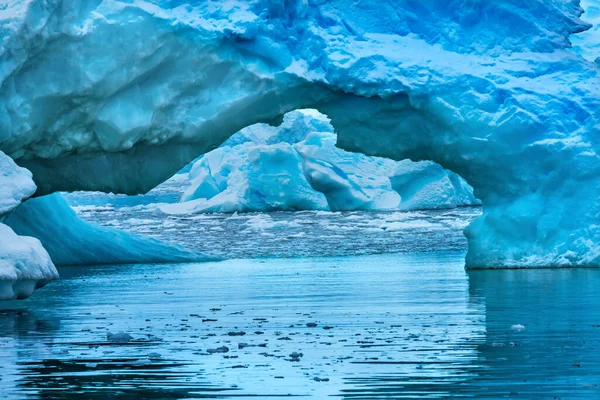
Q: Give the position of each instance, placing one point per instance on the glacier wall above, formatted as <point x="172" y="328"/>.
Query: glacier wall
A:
<point x="296" y="166"/>
<point x="117" y="96"/>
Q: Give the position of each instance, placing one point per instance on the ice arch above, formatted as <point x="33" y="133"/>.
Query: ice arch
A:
<point x="117" y="95"/>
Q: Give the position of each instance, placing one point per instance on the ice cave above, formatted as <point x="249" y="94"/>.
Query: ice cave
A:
<point x="168" y="132"/>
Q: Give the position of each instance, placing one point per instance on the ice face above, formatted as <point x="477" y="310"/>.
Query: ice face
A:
<point x="426" y="185"/>
<point x="296" y="166"/>
<point x="117" y="96"/>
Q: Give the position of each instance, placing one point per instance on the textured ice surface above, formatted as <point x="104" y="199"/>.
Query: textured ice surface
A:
<point x="117" y="96"/>
<point x="297" y="166"/>
<point x="587" y="44"/>
<point x="24" y="264"/>
<point x="70" y="240"/>
<point x="15" y="184"/>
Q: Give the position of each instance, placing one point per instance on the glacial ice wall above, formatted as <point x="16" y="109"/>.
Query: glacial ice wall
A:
<point x="117" y="96"/>
<point x="296" y="166"/>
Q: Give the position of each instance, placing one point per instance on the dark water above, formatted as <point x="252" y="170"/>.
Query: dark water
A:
<point x="398" y="326"/>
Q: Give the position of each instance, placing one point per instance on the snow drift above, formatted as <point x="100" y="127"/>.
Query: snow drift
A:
<point x="117" y="96"/>
<point x="296" y="166"/>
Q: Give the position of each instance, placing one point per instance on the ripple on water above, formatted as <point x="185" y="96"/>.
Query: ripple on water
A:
<point x="387" y="326"/>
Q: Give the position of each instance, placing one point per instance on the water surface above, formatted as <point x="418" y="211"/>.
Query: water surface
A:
<point x="387" y="326"/>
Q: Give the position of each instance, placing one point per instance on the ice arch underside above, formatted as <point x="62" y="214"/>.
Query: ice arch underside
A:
<point x="118" y="95"/>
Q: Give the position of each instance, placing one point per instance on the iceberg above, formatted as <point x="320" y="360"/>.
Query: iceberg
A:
<point x="426" y="185"/>
<point x="117" y="96"/>
<point x="71" y="241"/>
<point x="296" y="166"/>
<point x="16" y="185"/>
<point x="41" y="232"/>
<point x="24" y="264"/>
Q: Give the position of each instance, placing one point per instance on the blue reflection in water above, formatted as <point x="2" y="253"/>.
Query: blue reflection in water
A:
<point x="387" y="326"/>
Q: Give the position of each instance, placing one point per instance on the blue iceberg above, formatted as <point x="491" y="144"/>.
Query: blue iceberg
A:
<point x="71" y="241"/>
<point x="118" y="96"/>
<point x="24" y="264"/>
<point x="296" y="166"/>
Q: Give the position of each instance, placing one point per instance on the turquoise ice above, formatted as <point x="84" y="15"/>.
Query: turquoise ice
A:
<point x="296" y="166"/>
<point x="118" y="96"/>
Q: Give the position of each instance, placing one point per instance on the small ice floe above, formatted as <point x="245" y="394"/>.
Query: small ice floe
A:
<point x="119" y="337"/>
<point x="295" y="357"/>
<point x="222" y="349"/>
<point x="517" y="328"/>
<point x="154" y="356"/>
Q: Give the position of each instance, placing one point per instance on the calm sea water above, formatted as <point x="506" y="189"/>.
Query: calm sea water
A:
<point x="359" y="327"/>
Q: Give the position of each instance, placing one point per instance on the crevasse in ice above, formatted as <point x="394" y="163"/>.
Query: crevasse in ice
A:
<point x="296" y="166"/>
<point x="117" y="96"/>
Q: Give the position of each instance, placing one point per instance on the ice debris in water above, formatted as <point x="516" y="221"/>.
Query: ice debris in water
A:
<point x="517" y="327"/>
<point x="119" y="337"/>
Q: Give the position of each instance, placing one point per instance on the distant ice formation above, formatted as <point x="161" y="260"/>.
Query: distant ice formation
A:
<point x="119" y="95"/>
<point x="296" y="166"/>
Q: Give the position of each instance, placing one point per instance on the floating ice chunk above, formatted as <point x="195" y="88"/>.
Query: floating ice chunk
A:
<point x="119" y="337"/>
<point x="71" y="241"/>
<point x="24" y="265"/>
<point x="517" y="327"/>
